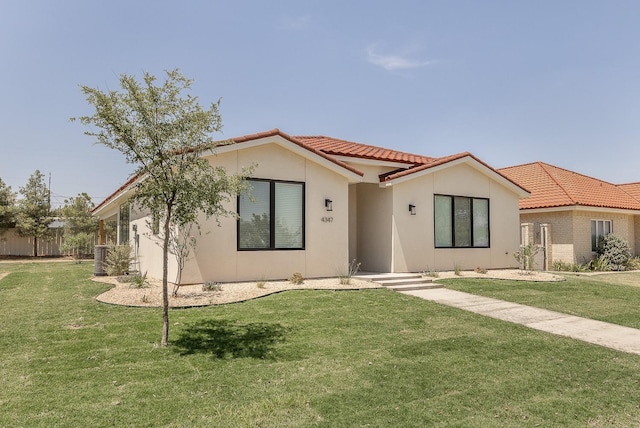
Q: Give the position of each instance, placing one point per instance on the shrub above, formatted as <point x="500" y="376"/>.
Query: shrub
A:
<point x="560" y="266"/>
<point x="352" y="269"/>
<point x="615" y="250"/>
<point x="118" y="259"/>
<point x="480" y="270"/>
<point x="79" y="245"/>
<point x="211" y="286"/>
<point x="526" y="255"/>
<point x="296" y="278"/>
<point x="633" y="263"/>
<point x="599" y="264"/>
<point x="137" y="280"/>
<point x="431" y="273"/>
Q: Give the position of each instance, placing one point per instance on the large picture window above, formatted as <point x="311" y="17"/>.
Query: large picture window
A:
<point x="271" y="216"/>
<point x="461" y="222"/>
<point x="599" y="229"/>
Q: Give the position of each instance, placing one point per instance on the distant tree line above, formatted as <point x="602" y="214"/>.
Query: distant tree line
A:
<point x="29" y="213"/>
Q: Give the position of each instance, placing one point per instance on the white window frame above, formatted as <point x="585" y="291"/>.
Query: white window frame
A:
<point x="600" y="230"/>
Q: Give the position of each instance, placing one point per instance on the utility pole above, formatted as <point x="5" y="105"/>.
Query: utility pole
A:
<point x="49" y="192"/>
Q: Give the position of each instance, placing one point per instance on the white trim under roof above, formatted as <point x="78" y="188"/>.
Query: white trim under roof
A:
<point x="463" y="160"/>
<point x="293" y="147"/>
<point x="375" y="162"/>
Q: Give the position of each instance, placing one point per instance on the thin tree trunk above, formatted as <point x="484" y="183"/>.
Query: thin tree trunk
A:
<point x="35" y="246"/>
<point x="165" y="274"/>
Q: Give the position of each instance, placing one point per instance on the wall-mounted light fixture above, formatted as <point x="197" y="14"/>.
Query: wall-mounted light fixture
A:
<point x="328" y="204"/>
<point x="412" y="209"/>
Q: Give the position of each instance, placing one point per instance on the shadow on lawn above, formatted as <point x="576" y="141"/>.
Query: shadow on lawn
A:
<point x="230" y="339"/>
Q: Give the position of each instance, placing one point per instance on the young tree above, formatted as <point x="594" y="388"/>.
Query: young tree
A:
<point x="164" y="134"/>
<point x="79" y="226"/>
<point x="34" y="214"/>
<point x="7" y="207"/>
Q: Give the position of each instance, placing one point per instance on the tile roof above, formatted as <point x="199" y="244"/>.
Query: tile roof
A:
<point x="633" y="189"/>
<point x="298" y="141"/>
<point x="330" y="148"/>
<point x="337" y="147"/>
<point x="552" y="186"/>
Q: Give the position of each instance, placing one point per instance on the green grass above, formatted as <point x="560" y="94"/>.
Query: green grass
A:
<point x="296" y="359"/>
<point x="612" y="298"/>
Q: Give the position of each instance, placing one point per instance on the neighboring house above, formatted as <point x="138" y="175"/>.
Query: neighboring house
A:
<point x="567" y="211"/>
<point x="320" y="202"/>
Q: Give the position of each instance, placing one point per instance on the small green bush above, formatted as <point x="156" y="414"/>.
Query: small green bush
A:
<point x="352" y="269"/>
<point x="296" y="278"/>
<point x="615" y="250"/>
<point x="599" y="264"/>
<point x="633" y="263"/>
<point x="211" y="286"/>
<point x="137" y="280"/>
<point x="526" y="256"/>
<point x="560" y="266"/>
<point x="430" y="273"/>
<point x="118" y="259"/>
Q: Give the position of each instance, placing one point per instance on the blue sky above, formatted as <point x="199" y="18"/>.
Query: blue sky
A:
<point x="510" y="81"/>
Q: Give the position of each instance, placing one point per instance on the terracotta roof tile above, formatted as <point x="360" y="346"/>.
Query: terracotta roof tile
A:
<point x="632" y="189"/>
<point x="551" y="186"/>
<point x="337" y="147"/>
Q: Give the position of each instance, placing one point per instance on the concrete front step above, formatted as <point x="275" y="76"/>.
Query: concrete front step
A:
<point x="401" y="281"/>
<point x="376" y="277"/>
<point x="387" y="282"/>
<point x="414" y="287"/>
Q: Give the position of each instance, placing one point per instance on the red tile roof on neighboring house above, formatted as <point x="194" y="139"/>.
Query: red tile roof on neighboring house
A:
<point x="632" y="189"/>
<point x="551" y="186"/>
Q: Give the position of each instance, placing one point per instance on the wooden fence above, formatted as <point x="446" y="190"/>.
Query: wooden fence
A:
<point x="12" y="244"/>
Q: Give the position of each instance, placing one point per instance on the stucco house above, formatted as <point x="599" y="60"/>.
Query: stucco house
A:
<point x="568" y="211"/>
<point x="320" y="202"/>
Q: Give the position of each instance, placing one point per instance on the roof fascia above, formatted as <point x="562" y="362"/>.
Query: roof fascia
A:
<point x="582" y="208"/>
<point x="111" y="207"/>
<point x="285" y="143"/>
<point x="372" y="162"/>
<point x="463" y="160"/>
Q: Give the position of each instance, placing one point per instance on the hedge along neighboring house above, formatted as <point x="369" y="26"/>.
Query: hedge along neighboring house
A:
<point x="319" y="202"/>
<point x="567" y="211"/>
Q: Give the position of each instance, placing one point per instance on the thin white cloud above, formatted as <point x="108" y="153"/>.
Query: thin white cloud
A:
<point x="294" y="22"/>
<point x="392" y="62"/>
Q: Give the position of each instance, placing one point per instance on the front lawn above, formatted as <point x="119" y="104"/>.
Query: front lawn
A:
<point x="612" y="298"/>
<point x="371" y="358"/>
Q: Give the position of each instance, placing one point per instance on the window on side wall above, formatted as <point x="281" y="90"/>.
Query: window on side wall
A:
<point x="461" y="222"/>
<point x="599" y="229"/>
<point x="271" y="216"/>
<point x="123" y="224"/>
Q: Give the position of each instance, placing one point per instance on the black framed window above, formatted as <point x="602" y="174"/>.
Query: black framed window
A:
<point x="461" y="222"/>
<point x="124" y="224"/>
<point x="271" y="216"/>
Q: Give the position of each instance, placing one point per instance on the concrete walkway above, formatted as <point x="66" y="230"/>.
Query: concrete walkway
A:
<point x="612" y="336"/>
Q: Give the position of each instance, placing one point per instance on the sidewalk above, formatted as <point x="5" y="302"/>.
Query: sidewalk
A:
<point x="612" y="336"/>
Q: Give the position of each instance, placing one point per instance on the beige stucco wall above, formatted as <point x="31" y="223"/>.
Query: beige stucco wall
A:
<point x="147" y="247"/>
<point x="412" y="247"/>
<point x="326" y="248"/>
<point x="374" y="222"/>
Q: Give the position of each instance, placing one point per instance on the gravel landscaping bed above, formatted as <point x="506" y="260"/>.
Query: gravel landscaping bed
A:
<point x="193" y="295"/>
